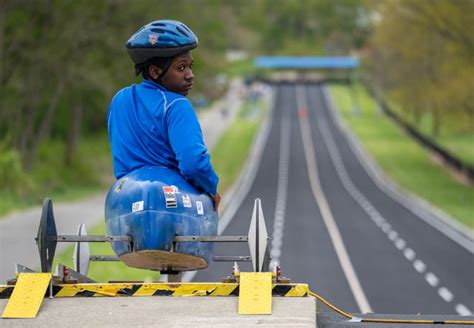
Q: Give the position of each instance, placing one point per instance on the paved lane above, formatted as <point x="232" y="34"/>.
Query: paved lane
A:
<point x="402" y="264"/>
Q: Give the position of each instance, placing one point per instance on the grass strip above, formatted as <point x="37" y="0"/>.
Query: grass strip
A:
<point x="403" y="159"/>
<point x="232" y="149"/>
<point x="89" y="172"/>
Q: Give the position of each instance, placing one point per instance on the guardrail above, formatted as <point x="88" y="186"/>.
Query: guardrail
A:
<point x="448" y="158"/>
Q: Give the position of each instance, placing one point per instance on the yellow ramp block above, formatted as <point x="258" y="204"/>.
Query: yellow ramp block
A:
<point x="27" y="295"/>
<point x="255" y="294"/>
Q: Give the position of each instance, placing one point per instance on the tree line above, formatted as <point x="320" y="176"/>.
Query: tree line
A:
<point x="421" y="57"/>
<point x="62" y="61"/>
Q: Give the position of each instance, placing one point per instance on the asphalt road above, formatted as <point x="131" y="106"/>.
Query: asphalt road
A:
<point x="336" y="230"/>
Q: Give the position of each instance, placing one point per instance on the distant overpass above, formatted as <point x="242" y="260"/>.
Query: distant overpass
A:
<point x="295" y="62"/>
<point x="302" y="68"/>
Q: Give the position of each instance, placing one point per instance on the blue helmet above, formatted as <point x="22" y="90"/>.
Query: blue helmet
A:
<point x="161" y="38"/>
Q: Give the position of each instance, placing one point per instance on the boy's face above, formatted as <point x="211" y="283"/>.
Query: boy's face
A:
<point x="179" y="77"/>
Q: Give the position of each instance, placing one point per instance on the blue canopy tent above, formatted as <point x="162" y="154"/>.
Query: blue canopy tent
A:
<point x="288" y="62"/>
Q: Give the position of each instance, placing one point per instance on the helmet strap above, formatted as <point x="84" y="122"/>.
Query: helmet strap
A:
<point x="165" y="69"/>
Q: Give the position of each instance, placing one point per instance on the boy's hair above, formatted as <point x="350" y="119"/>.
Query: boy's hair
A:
<point x="162" y="62"/>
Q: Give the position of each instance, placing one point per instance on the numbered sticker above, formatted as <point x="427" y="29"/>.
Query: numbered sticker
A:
<point x="200" y="208"/>
<point x="170" y="197"/>
<point x="138" y="206"/>
<point x="186" y="201"/>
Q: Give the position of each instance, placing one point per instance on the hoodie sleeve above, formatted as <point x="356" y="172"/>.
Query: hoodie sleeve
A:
<point x="187" y="142"/>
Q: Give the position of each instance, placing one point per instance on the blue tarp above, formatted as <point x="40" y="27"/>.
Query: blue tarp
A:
<point x="307" y="62"/>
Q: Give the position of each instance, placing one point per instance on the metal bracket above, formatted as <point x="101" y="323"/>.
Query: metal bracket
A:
<point x="212" y="239"/>
<point x="232" y="259"/>
<point x="20" y="268"/>
<point x="92" y="238"/>
<point x="68" y="275"/>
<point x="104" y="258"/>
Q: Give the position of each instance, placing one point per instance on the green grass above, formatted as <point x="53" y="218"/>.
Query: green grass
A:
<point x="231" y="151"/>
<point x="49" y="177"/>
<point x="461" y="145"/>
<point x="228" y="157"/>
<point x="402" y="159"/>
<point x="240" y="67"/>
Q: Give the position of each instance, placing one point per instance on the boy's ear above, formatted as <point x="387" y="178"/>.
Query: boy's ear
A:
<point x="154" y="71"/>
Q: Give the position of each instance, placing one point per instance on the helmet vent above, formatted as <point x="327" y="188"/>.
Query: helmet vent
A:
<point x="158" y="24"/>
<point x="183" y="32"/>
<point x="161" y="31"/>
<point x="186" y="28"/>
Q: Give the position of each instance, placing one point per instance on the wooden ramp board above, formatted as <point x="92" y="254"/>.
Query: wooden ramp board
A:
<point x="162" y="260"/>
<point x="27" y="295"/>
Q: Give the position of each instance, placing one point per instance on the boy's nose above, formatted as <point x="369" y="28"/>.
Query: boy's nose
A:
<point x="189" y="75"/>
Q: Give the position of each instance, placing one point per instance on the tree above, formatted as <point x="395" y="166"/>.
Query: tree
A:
<point x="422" y="55"/>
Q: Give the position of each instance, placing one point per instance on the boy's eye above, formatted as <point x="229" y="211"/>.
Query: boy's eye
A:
<point x="181" y="68"/>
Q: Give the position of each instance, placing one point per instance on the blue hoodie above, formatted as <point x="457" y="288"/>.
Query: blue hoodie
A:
<point x="151" y="126"/>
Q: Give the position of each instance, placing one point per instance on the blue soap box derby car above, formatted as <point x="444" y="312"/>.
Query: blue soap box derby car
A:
<point x="153" y="205"/>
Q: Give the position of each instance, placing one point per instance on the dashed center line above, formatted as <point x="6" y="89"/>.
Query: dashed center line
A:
<point x="432" y="279"/>
<point x="393" y="235"/>
<point x="445" y="294"/>
<point x="419" y="266"/>
<point x="386" y="227"/>
<point x="400" y="243"/>
<point x="409" y="254"/>
<point x="280" y="207"/>
<point x="462" y="310"/>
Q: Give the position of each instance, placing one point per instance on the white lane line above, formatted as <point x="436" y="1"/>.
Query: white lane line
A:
<point x="393" y="235"/>
<point x="400" y="243"/>
<point x="386" y="227"/>
<point x="461" y="309"/>
<point x="377" y="218"/>
<point x="321" y="200"/>
<point x="419" y="266"/>
<point x="409" y="254"/>
<point x="445" y="294"/>
<point x="280" y="207"/>
<point x="432" y="279"/>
